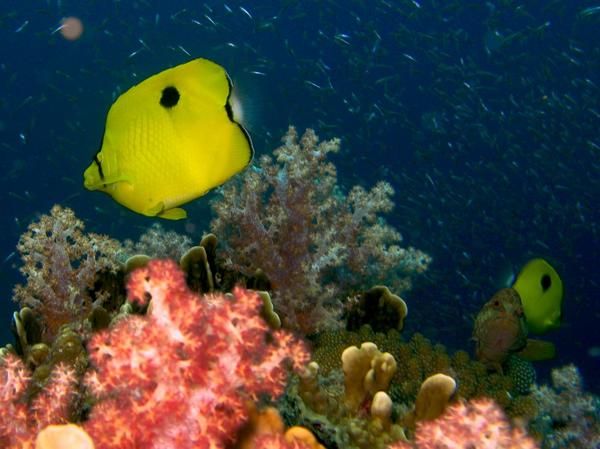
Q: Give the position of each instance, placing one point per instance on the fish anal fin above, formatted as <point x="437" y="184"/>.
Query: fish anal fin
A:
<point x="175" y="213"/>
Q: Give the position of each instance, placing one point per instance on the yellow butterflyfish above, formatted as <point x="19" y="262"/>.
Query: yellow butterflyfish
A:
<point x="169" y="140"/>
<point x="541" y="292"/>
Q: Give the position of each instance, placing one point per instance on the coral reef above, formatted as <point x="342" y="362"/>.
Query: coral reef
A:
<point x="433" y="397"/>
<point x="61" y="264"/>
<point x="366" y="371"/>
<point x="183" y="364"/>
<point x="61" y="436"/>
<point x="378" y="307"/>
<point x="417" y="359"/>
<point x="288" y="217"/>
<point x="427" y="384"/>
<point x="24" y="415"/>
<point x="349" y="410"/>
<point x="265" y="429"/>
<point x="156" y="242"/>
<point x="479" y="423"/>
<point x="568" y="417"/>
<point x="183" y="373"/>
<point x="521" y="372"/>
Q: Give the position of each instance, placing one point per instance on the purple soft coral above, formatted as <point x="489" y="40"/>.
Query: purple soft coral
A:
<point x="289" y="217"/>
<point x="60" y="264"/>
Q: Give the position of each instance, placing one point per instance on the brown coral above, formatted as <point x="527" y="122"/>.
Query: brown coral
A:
<point x="61" y="264"/>
<point x="379" y="308"/>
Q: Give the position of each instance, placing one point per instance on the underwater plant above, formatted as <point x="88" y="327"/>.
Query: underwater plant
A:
<point x="478" y="423"/>
<point x="183" y="375"/>
<point x="568" y="416"/>
<point x="288" y="217"/>
<point x="23" y="417"/>
<point x="60" y="264"/>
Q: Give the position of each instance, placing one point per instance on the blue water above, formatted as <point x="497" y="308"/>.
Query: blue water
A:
<point x="484" y="116"/>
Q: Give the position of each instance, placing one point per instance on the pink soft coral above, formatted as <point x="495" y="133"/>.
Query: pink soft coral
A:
<point x="479" y="424"/>
<point x="181" y="376"/>
<point x="20" y="418"/>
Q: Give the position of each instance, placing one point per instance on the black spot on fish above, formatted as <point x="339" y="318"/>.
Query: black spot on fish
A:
<point x="546" y="282"/>
<point x="169" y="97"/>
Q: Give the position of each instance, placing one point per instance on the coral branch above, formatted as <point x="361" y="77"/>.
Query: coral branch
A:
<point x="289" y="218"/>
<point x="20" y="418"/>
<point x="479" y="423"/>
<point x="181" y="376"/>
<point x="60" y="264"/>
<point x="568" y="417"/>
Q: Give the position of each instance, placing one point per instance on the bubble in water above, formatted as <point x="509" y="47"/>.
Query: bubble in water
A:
<point x="71" y="28"/>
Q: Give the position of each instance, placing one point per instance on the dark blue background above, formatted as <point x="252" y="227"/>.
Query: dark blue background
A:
<point x="484" y="116"/>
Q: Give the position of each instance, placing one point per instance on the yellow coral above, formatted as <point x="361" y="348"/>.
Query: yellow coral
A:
<point x="356" y="363"/>
<point x="366" y="371"/>
<point x="329" y="346"/>
<point x="460" y="359"/>
<point x="416" y="360"/>
<point x="381" y="408"/>
<point x="433" y="397"/>
<point x="63" y="436"/>
<point x="523" y="407"/>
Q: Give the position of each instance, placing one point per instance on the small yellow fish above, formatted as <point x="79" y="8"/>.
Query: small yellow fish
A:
<point x="541" y="292"/>
<point x="169" y="140"/>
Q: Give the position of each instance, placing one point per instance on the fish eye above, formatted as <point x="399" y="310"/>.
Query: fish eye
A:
<point x="169" y="97"/>
<point x="546" y="282"/>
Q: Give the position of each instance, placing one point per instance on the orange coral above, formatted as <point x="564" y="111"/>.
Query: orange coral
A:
<point x="265" y="429"/>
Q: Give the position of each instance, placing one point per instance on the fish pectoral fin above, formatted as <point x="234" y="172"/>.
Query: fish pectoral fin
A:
<point x="176" y="213"/>
<point x="538" y="350"/>
<point x="110" y="180"/>
<point x="93" y="181"/>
